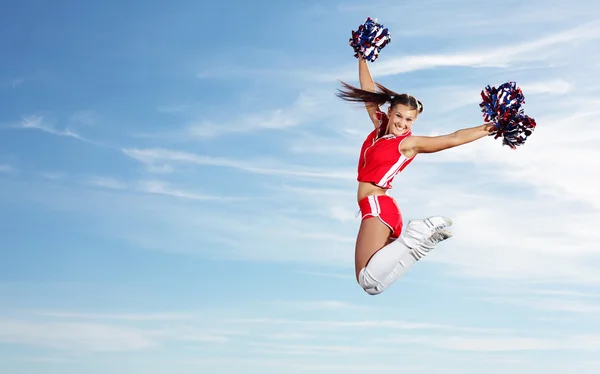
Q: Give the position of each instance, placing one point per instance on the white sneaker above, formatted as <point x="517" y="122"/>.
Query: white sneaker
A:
<point x="435" y="239"/>
<point x="436" y="223"/>
<point x="421" y="236"/>
<point x="419" y="230"/>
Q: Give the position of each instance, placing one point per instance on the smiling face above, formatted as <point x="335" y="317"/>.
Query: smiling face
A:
<point x="401" y="119"/>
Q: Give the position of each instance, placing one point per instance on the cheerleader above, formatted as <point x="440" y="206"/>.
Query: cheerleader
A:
<point x="385" y="249"/>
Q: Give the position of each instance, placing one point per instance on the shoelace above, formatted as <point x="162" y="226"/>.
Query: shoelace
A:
<point x="428" y="245"/>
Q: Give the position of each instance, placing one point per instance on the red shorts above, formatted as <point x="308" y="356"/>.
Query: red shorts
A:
<point x="385" y="208"/>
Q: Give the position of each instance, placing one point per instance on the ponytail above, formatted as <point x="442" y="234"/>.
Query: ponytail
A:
<point x="380" y="97"/>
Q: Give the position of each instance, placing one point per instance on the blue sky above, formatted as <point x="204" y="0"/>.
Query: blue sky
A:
<point x="177" y="189"/>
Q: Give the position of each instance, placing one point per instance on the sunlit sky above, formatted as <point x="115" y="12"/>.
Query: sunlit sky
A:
<point x="178" y="193"/>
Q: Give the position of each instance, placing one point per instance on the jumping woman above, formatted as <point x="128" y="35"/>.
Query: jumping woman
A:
<point x="385" y="249"/>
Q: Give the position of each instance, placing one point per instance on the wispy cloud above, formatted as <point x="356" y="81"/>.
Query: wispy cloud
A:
<point x="104" y="332"/>
<point x="38" y="123"/>
<point x="85" y="117"/>
<point x="160" y="157"/>
<point x="290" y="336"/>
<point x="106" y="182"/>
<point x="327" y="275"/>
<point x="317" y="349"/>
<point x="334" y="324"/>
<point x="11" y="83"/>
<point x="52" y="175"/>
<point x="303" y="109"/>
<point x="322" y="305"/>
<point x="107" y="332"/>
<point x="301" y="364"/>
<point x="464" y="95"/>
<point x="154" y="187"/>
<point x="137" y="317"/>
<point x="174" y="108"/>
<point x="128" y="217"/>
<point x="165" y="188"/>
<point x="510" y="17"/>
<point x="75" y="336"/>
<point x="549" y="304"/>
<point x="505" y="344"/>
<point x="501" y="56"/>
<point x="530" y="237"/>
<point x="6" y="168"/>
<point x="42" y="360"/>
<point x="16" y="82"/>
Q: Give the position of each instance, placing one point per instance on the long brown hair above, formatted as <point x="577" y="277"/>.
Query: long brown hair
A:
<point x="380" y="97"/>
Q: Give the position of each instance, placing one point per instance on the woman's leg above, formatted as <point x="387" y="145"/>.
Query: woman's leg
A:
<point x="380" y="260"/>
<point x="372" y="236"/>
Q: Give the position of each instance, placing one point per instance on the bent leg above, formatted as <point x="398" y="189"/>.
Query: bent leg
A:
<point x="377" y="256"/>
<point x="391" y="262"/>
<point x="372" y="236"/>
<point x="380" y="258"/>
<point x="378" y="265"/>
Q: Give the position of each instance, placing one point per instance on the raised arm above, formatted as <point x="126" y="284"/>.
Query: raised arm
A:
<point x="367" y="84"/>
<point x="414" y="145"/>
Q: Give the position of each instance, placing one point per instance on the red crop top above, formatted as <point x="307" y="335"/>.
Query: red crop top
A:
<point x="380" y="158"/>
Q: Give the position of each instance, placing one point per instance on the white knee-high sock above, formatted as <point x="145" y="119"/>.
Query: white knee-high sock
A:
<point x="385" y="267"/>
<point x="388" y="264"/>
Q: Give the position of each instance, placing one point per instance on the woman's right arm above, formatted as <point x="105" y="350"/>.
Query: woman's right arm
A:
<point x="367" y="84"/>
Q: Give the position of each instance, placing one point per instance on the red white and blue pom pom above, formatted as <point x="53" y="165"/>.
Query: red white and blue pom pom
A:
<point x="369" y="39"/>
<point x="502" y="106"/>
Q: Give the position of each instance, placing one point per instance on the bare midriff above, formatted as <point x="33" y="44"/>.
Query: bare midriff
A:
<point x="367" y="189"/>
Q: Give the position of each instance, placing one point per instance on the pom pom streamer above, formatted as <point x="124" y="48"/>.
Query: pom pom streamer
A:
<point x="502" y="106"/>
<point x="369" y="39"/>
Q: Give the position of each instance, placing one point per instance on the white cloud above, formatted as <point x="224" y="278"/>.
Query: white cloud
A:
<point x="106" y="182"/>
<point x="304" y="109"/>
<point x="297" y="365"/>
<point x="165" y="157"/>
<point x="154" y="187"/>
<point x="368" y="324"/>
<point x="164" y="188"/>
<point x="454" y="97"/>
<point x="52" y="175"/>
<point x="91" y="332"/>
<point x="505" y="344"/>
<point x="75" y="336"/>
<point x="494" y="242"/>
<point x="38" y="123"/>
<point x="549" y="304"/>
<point x="551" y="87"/>
<point x="314" y="350"/>
<point x="327" y="275"/>
<point x="174" y="316"/>
<point x="174" y="108"/>
<point x="289" y="336"/>
<point x="569" y="301"/>
<point x="501" y="56"/>
<point x="301" y="110"/>
<point x="476" y="344"/>
<point x="16" y="82"/>
<point x="6" y="168"/>
<point x="85" y="117"/>
<point x="41" y="360"/>
<point x="322" y="305"/>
